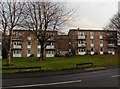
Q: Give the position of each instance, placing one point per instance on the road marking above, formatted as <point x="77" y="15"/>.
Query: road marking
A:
<point x="115" y="76"/>
<point x="56" y="83"/>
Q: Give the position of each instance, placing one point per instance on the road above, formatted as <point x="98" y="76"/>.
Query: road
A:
<point x="102" y="78"/>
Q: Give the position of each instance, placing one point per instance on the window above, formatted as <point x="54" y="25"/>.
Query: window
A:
<point x="92" y="41"/>
<point x="82" y="33"/>
<point x="92" y="49"/>
<point x="16" y="52"/>
<point x="101" y="33"/>
<point x="38" y="43"/>
<point x="82" y="50"/>
<point x="81" y="42"/>
<point x="29" y="52"/>
<point x="101" y="49"/>
<point x="50" y="52"/>
<point x="91" y="33"/>
<point x="101" y="41"/>
<point x="38" y="51"/>
<point x="51" y="43"/>
<point x="29" y="43"/>
<point x="17" y="43"/>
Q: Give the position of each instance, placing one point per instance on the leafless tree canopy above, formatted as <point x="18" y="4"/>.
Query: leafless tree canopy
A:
<point x="114" y="24"/>
<point x="45" y="16"/>
<point x="11" y="16"/>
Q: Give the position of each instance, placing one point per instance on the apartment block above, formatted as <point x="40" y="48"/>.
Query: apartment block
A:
<point x="26" y="44"/>
<point x="93" y="41"/>
<point x="77" y="42"/>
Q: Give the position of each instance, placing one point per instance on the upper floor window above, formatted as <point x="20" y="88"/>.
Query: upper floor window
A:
<point x="91" y="33"/>
<point x="29" y="43"/>
<point x="17" y="34"/>
<point x="92" y="41"/>
<point x="81" y="33"/>
<point x="101" y="33"/>
<point x="101" y="41"/>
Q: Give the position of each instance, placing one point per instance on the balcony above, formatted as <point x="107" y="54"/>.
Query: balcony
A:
<point x="38" y="55"/>
<point x="28" y="46"/>
<point x="39" y="46"/>
<point x="91" y="52"/>
<point x="81" y="37"/>
<point x="17" y="38"/>
<point x="51" y="39"/>
<point x="112" y="38"/>
<point x="81" y="45"/>
<point x="28" y="55"/>
<point x="112" y="45"/>
<point x="101" y="52"/>
<point x="101" y="45"/>
<point x="91" y="37"/>
<point x="101" y="37"/>
<point x="111" y="52"/>
<point x="49" y="55"/>
<point x="28" y="38"/>
<point x="50" y="47"/>
<point x="92" y="45"/>
<point x="17" y="46"/>
<point x="81" y="53"/>
<point x="17" y="55"/>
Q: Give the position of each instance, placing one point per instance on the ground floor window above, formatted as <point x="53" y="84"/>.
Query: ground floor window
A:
<point x="17" y="52"/>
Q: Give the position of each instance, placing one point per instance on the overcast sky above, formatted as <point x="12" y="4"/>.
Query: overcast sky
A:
<point x="89" y="13"/>
<point x="92" y="13"/>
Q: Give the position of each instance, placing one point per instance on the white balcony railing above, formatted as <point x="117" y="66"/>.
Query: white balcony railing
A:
<point x="101" y="45"/>
<point x="91" y="37"/>
<point x="111" y="52"/>
<point x="28" y="55"/>
<point x="91" y="52"/>
<point x="29" y="38"/>
<point x="17" y="55"/>
<point x="50" y="47"/>
<point x="39" y="46"/>
<point x="28" y="46"/>
<point x="101" y="52"/>
<point x="49" y="55"/>
<point x="17" y="46"/>
<point x="38" y="55"/>
<point x="81" y="53"/>
<point x="81" y="37"/>
<point x="81" y="45"/>
<point x="101" y="37"/>
<point x="111" y="44"/>
<point x="92" y="45"/>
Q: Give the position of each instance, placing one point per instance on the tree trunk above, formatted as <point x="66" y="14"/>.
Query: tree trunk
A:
<point x="9" y="51"/>
<point x="42" y="53"/>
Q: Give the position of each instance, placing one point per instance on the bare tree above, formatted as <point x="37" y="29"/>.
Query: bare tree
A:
<point x="114" y="25"/>
<point x="11" y="16"/>
<point x="44" y="16"/>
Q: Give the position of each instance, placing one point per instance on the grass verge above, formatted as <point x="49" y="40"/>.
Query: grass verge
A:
<point x="62" y="62"/>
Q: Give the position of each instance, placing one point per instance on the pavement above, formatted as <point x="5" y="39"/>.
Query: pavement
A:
<point x="42" y="73"/>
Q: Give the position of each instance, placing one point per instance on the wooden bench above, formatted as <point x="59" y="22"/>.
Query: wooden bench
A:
<point x="20" y="68"/>
<point x="84" y="65"/>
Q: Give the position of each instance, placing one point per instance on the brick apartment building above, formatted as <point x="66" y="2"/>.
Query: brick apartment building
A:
<point x="77" y="41"/>
<point x="93" y="41"/>
<point x="25" y="43"/>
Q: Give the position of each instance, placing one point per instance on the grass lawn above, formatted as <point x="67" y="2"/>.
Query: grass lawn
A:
<point x="63" y="62"/>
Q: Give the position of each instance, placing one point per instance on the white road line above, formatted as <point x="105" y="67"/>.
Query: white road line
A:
<point x="56" y="83"/>
<point x="115" y="76"/>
